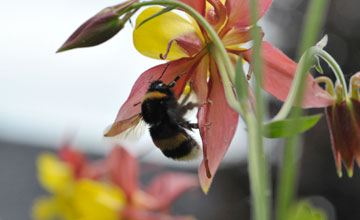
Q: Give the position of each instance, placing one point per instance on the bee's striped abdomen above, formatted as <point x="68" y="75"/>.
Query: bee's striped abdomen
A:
<point x="174" y="142"/>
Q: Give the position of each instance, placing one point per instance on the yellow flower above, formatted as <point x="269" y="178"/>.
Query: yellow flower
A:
<point x="105" y="190"/>
<point x="97" y="200"/>
<point x="73" y="199"/>
<point x="53" y="174"/>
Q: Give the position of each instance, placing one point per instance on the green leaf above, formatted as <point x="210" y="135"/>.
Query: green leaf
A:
<point x="289" y="127"/>
<point x="302" y="210"/>
<point x="167" y="9"/>
<point x="241" y="85"/>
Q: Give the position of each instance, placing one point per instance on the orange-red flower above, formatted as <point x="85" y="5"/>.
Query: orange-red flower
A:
<point x="344" y="124"/>
<point x="185" y="44"/>
<point x="107" y="189"/>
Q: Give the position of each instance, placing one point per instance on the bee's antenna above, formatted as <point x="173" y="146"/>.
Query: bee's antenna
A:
<point x="172" y="84"/>
<point x="163" y="71"/>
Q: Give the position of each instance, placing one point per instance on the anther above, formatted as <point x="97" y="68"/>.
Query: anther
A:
<point x="208" y="173"/>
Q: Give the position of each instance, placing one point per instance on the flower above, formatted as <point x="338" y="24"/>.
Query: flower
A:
<point x="99" y="28"/>
<point x="186" y="46"/>
<point x="344" y="123"/>
<point x="107" y="189"/>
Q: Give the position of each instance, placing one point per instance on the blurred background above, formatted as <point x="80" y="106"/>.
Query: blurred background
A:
<point x="46" y="97"/>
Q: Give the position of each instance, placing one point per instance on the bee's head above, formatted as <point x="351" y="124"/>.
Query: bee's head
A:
<point x="158" y="85"/>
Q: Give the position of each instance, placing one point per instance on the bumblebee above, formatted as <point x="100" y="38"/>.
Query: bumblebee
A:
<point x="165" y="117"/>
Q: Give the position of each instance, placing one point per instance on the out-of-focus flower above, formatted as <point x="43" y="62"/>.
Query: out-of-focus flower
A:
<point x="186" y="46"/>
<point x="107" y="189"/>
<point x="344" y="123"/>
<point x="100" y="28"/>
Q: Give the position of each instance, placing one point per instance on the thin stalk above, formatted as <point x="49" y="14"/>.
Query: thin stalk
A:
<point x="294" y="92"/>
<point x="225" y="80"/>
<point x="334" y="67"/>
<point x="258" y="171"/>
<point x="300" y="76"/>
<point x="288" y="174"/>
<point x="258" y="167"/>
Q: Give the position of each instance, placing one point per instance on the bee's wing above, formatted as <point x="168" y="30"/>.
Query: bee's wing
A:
<point x="129" y="129"/>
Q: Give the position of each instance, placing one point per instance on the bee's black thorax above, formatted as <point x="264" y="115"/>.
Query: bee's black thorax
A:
<point x="156" y="102"/>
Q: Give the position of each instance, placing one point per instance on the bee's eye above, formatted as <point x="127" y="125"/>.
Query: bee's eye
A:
<point x="160" y="85"/>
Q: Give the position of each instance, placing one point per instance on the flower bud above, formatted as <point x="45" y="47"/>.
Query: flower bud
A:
<point x="100" y="28"/>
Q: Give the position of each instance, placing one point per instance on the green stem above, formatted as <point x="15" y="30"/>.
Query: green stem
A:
<point x="287" y="181"/>
<point x="226" y="82"/>
<point x="288" y="175"/>
<point x="294" y="92"/>
<point x="258" y="171"/>
<point x="334" y="67"/>
<point x="258" y="167"/>
<point x="300" y="73"/>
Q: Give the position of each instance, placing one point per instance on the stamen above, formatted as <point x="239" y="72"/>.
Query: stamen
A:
<point x="339" y="92"/>
<point x="163" y="57"/>
<point x="329" y="86"/>
<point x="354" y="86"/>
<point x="206" y="161"/>
<point x="208" y="173"/>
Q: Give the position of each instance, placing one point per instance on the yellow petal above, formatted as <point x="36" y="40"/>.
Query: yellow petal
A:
<point x="96" y="200"/>
<point x="56" y="207"/>
<point x="44" y="208"/>
<point x="53" y="174"/>
<point x="152" y="38"/>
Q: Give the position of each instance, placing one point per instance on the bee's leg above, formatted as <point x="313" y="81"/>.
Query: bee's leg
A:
<point x="194" y="125"/>
<point x="181" y="111"/>
<point x="188" y="125"/>
<point x="172" y="84"/>
<point x="185" y="99"/>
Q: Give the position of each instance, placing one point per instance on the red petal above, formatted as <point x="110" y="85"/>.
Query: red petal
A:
<point x="236" y="35"/>
<point x="130" y="110"/>
<point x="167" y="187"/>
<point x="124" y="170"/>
<point x="216" y="16"/>
<point x="139" y="214"/>
<point x="278" y="74"/>
<point x="198" y="5"/>
<point x="190" y="43"/>
<point x="95" y="170"/>
<point x="356" y="121"/>
<point x="344" y="124"/>
<point x="199" y="80"/>
<point x="74" y="158"/>
<point x="218" y="122"/>
<point x="239" y="11"/>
